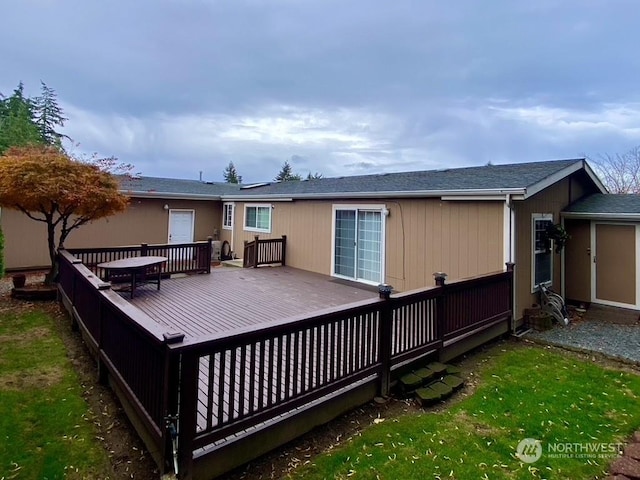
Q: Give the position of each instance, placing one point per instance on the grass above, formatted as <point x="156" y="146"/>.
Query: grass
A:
<point x="523" y="392"/>
<point x="45" y="428"/>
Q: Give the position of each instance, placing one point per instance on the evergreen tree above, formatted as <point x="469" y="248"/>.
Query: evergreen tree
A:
<point x="230" y="174"/>
<point x="48" y="116"/>
<point x="314" y="176"/>
<point x="286" y="173"/>
<point x="17" y="125"/>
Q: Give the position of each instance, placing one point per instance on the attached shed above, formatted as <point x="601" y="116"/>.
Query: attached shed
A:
<point x="602" y="257"/>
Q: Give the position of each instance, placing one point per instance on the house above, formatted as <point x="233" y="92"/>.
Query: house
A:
<point x="602" y="263"/>
<point x="161" y="210"/>
<point x="396" y="228"/>
<point x="400" y="228"/>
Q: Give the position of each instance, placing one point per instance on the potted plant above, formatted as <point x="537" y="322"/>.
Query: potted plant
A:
<point x="19" y="279"/>
<point x="559" y="235"/>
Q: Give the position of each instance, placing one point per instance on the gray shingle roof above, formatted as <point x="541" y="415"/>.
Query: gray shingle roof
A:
<point x="606" y="203"/>
<point x="176" y="187"/>
<point x="490" y="177"/>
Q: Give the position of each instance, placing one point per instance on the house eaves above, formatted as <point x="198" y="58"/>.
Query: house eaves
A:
<point x="169" y="195"/>
<point x="601" y="216"/>
<point x="484" y="194"/>
<point x="565" y="172"/>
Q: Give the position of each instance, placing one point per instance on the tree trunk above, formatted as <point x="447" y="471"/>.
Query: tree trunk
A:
<point x="51" y="277"/>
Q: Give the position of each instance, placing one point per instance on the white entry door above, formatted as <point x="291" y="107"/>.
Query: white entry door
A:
<point x="181" y="231"/>
<point x="181" y="226"/>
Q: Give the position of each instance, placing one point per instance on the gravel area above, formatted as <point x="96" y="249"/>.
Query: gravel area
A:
<point x="612" y="340"/>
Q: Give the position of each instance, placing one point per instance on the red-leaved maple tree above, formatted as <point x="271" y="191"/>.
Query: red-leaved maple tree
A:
<point x="50" y="187"/>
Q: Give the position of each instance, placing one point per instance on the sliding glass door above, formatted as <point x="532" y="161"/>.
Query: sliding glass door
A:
<point x="358" y="242"/>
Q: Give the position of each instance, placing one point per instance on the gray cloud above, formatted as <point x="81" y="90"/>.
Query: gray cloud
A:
<point x="176" y="87"/>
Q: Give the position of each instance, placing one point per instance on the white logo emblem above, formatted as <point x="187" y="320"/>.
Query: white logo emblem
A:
<point x="529" y="450"/>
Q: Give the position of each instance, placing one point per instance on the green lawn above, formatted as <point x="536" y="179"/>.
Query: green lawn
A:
<point x="523" y="392"/>
<point x="44" y="428"/>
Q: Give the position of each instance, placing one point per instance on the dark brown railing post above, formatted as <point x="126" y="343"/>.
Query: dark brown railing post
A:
<point x="187" y="416"/>
<point x="144" y="249"/>
<point x="440" y="323"/>
<point x="256" y="256"/>
<point x="170" y="399"/>
<point x="209" y="252"/>
<point x="385" y="336"/>
<point x="510" y="270"/>
<point x="284" y="250"/>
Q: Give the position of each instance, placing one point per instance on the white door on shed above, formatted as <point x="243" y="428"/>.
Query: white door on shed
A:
<point x="181" y="226"/>
<point x="181" y="231"/>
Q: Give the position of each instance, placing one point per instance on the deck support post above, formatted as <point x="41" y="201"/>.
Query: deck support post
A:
<point x="187" y="414"/>
<point x="440" y="323"/>
<point x="144" y="249"/>
<point x="511" y="270"/>
<point x="284" y="250"/>
<point x="209" y="253"/>
<point x="256" y="255"/>
<point x="386" y="333"/>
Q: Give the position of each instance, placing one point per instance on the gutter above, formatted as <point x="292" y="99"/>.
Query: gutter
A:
<point x="497" y="194"/>
<point x="601" y="216"/>
<point x="169" y="195"/>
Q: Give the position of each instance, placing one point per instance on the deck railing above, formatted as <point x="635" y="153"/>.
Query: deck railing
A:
<point x="182" y="257"/>
<point x="129" y="345"/>
<point x="264" y="252"/>
<point x="233" y="381"/>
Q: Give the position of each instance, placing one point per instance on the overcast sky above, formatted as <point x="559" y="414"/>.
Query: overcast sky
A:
<point x="344" y="87"/>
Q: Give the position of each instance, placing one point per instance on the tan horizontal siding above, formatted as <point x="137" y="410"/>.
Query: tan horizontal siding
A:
<point x="144" y="221"/>
<point x="422" y="236"/>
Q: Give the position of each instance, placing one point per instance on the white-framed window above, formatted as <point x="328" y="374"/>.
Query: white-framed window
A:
<point x="257" y="217"/>
<point x="542" y="251"/>
<point x="227" y="216"/>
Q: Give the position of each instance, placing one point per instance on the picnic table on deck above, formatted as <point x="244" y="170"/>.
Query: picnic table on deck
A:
<point x="136" y="267"/>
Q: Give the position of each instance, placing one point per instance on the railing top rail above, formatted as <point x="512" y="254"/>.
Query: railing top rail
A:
<point x="462" y="282"/>
<point x="124" y="248"/>
<point x="134" y="247"/>
<point x="277" y="327"/>
<point x="138" y="318"/>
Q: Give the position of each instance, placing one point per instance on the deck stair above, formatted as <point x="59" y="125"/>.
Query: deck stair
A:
<point x="431" y="384"/>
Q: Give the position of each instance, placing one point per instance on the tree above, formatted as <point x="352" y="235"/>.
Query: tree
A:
<point x="17" y="126"/>
<point x="230" y="174"/>
<point x="620" y="172"/>
<point x="286" y="173"/>
<point x="48" y="186"/>
<point x="314" y="176"/>
<point x="1" y="253"/>
<point x="48" y="115"/>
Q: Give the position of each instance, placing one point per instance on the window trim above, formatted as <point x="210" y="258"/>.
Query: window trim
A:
<point x="539" y="217"/>
<point x="225" y="207"/>
<point x="257" y="205"/>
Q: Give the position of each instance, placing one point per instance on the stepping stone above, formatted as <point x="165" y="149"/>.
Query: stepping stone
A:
<point x="427" y="396"/>
<point x="454" y="382"/>
<point x="626" y="466"/>
<point x="442" y="389"/>
<point x="409" y="382"/>
<point x="453" y="370"/>
<point x="437" y="367"/>
<point x="426" y="374"/>
<point x="633" y="450"/>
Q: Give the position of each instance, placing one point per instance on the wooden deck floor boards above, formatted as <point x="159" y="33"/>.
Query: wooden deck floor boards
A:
<point x="232" y="298"/>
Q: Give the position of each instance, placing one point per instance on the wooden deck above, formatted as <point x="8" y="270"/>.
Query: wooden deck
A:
<point x="232" y="298"/>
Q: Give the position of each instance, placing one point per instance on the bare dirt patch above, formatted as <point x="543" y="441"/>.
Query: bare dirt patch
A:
<point x="33" y="334"/>
<point x="31" y="379"/>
